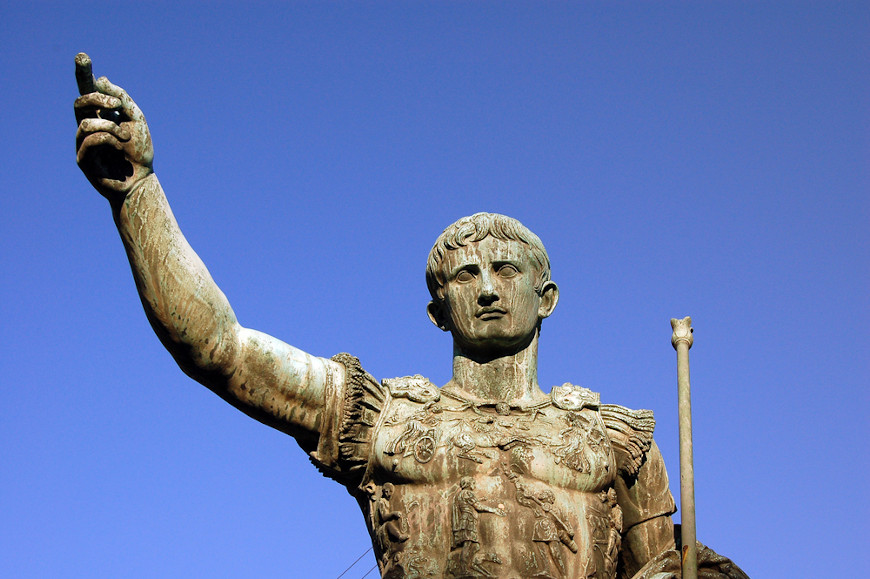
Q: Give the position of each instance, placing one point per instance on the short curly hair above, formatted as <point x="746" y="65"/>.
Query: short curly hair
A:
<point x="476" y="228"/>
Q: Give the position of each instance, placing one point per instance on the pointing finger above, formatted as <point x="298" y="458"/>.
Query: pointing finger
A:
<point x="84" y="73"/>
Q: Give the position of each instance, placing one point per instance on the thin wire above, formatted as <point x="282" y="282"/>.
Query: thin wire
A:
<point x="369" y="571"/>
<point x="355" y="562"/>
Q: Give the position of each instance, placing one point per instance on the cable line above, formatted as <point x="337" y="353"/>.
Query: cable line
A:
<point x="369" y="571"/>
<point x="358" y="559"/>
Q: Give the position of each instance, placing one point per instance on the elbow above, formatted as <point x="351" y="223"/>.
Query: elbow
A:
<point x="207" y="356"/>
<point x="220" y="351"/>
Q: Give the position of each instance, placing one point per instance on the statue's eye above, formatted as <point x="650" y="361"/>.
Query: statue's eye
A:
<point x="508" y="270"/>
<point x="464" y="276"/>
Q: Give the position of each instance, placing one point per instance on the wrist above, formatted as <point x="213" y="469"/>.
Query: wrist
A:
<point x="137" y="190"/>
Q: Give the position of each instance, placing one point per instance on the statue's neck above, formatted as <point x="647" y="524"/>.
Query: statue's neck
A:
<point x="511" y="378"/>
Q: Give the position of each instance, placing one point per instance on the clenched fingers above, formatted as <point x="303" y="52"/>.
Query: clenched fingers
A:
<point x="127" y="105"/>
<point x="96" y="140"/>
<point x="98" y="105"/>
<point x="91" y="126"/>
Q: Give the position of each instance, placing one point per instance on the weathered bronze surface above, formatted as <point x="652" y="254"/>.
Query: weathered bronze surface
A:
<point x="682" y="340"/>
<point x="487" y="476"/>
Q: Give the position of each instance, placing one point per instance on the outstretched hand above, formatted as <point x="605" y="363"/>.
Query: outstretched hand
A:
<point x="113" y="144"/>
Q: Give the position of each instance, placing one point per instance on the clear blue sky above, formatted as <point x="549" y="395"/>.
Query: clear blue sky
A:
<point x="706" y="159"/>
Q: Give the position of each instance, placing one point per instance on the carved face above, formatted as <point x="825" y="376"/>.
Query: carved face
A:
<point x="490" y="302"/>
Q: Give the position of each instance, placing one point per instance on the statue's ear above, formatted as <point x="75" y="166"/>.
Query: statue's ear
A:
<point x="436" y="314"/>
<point x="549" y="299"/>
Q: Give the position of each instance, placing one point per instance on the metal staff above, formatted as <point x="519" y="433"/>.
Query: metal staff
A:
<point x="682" y="341"/>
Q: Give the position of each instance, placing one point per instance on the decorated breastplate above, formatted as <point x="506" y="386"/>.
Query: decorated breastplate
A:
<point x="463" y="489"/>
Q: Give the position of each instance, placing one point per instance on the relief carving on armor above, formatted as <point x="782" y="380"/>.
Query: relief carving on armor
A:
<point x="466" y="446"/>
<point x="570" y="397"/>
<point x="465" y="560"/>
<point x="606" y="525"/>
<point x="551" y="531"/>
<point x="470" y="435"/>
<point x="417" y="440"/>
<point x="583" y="439"/>
<point x="420" y="436"/>
<point x="408" y="565"/>
<point x="415" y="388"/>
<point x="389" y="528"/>
<point x="614" y="540"/>
<point x="416" y="567"/>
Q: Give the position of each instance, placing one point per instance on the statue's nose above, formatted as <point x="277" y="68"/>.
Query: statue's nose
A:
<point x="488" y="293"/>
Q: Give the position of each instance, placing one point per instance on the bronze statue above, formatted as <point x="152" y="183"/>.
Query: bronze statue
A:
<point x="487" y="476"/>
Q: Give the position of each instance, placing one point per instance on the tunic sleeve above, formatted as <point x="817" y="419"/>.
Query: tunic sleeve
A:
<point x="642" y="486"/>
<point x="646" y="495"/>
<point x="351" y="406"/>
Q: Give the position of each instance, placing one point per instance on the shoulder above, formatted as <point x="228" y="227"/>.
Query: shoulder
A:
<point x="572" y="397"/>
<point x="631" y="434"/>
<point x="630" y="431"/>
<point x="352" y="406"/>
<point x="363" y="396"/>
<point x="415" y="388"/>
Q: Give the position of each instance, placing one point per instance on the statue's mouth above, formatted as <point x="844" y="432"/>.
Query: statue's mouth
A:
<point x="490" y="313"/>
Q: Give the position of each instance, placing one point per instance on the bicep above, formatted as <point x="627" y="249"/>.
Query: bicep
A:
<point x="280" y="385"/>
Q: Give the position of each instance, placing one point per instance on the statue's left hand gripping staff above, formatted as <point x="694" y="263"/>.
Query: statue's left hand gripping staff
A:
<point x="113" y="144"/>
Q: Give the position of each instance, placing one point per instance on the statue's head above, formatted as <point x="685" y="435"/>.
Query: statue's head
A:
<point x="473" y="229"/>
<point x="489" y="277"/>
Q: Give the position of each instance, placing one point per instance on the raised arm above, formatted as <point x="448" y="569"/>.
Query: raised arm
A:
<point x="261" y="375"/>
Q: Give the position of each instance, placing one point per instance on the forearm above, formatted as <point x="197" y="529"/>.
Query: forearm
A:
<point x="646" y="540"/>
<point x="187" y="310"/>
<point x="266" y="378"/>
